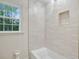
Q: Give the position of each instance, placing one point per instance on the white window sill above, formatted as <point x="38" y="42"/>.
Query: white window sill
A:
<point x="11" y="32"/>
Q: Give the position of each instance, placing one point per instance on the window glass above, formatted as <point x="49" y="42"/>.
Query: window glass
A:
<point x="8" y="21"/>
<point x="15" y="27"/>
<point x="1" y="27"/>
<point x="9" y="18"/>
<point x="8" y="27"/>
<point x="1" y="9"/>
<point x="1" y="20"/>
<point x="8" y="11"/>
<point x="15" y="21"/>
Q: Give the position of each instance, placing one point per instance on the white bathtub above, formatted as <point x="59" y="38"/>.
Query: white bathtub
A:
<point x="44" y="53"/>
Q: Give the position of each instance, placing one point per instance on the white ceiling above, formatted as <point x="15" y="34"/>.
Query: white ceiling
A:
<point x="46" y="1"/>
<point x="42" y="1"/>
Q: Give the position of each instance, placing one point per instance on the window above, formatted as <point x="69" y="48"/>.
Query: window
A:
<point x="9" y="18"/>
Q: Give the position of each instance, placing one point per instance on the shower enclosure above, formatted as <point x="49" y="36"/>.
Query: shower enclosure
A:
<point x="39" y="14"/>
<point x="52" y="25"/>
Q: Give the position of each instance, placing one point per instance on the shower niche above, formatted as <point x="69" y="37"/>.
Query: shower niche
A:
<point x="64" y="17"/>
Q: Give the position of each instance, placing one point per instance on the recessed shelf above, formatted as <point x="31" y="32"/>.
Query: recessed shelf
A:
<point x="64" y="17"/>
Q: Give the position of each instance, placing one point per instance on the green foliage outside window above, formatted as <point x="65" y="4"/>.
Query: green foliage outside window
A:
<point x="9" y="18"/>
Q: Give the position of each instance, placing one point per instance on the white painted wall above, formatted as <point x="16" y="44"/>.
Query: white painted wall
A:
<point x="63" y="38"/>
<point x="10" y="42"/>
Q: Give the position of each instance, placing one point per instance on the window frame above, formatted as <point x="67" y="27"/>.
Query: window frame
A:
<point x="12" y="5"/>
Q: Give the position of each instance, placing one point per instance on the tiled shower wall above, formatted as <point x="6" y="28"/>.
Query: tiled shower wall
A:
<point x="45" y="29"/>
<point x="36" y="24"/>
<point x="63" y="38"/>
